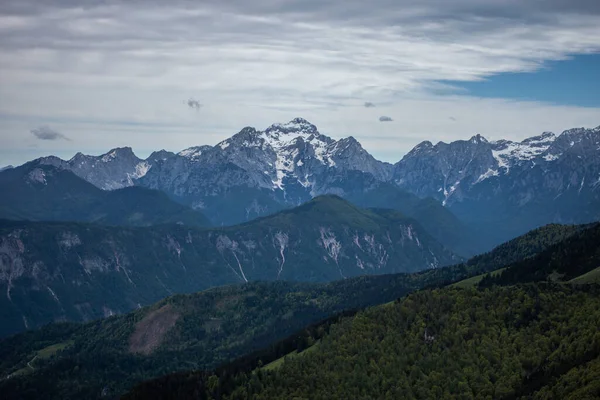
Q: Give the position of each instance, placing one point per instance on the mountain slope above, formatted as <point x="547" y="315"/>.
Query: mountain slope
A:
<point x="255" y="173"/>
<point x="517" y="250"/>
<point x="562" y="262"/>
<point x="503" y="189"/>
<point x="213" y="326"/>
<point x="500" y="343"/>
<point x="57" y="271"/>
<point x="36" y="191"/>
<point x="114" y="170"/>
<point x="203" y="330"/>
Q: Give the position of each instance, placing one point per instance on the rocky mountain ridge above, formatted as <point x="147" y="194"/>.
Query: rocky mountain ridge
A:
<point x="543" y="179"/>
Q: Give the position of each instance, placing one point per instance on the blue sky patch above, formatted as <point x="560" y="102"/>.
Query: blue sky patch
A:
<point x="574" y="82"/>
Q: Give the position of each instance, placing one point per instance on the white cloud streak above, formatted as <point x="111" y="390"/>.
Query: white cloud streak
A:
<point x="125" y="66"/>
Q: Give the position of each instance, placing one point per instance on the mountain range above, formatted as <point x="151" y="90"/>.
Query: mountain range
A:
<point x="103" y="236"/>
<point x="53" y="271"/>
<point x="492" y="190"/>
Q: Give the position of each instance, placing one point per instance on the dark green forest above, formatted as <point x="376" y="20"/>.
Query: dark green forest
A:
<point x="525" y="341"/>
<point x="563" y="261"/>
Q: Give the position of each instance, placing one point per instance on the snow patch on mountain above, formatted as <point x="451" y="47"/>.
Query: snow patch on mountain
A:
<point x="488" y="174"/>
<point x="509" y="153"/>
<point x="194" y="153"/>
<point x="141" y="170"/>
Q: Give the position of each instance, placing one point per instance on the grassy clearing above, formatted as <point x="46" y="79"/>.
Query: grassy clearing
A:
<point x="49" y="351"/>
<point x="42" y="354"/>
<point x="474" y="280"/>
<point x="590" y="277"/>
<point x="279" y="362"/>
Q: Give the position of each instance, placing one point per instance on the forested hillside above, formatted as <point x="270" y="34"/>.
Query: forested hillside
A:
<point x="528" y="341"/>
<point x="215" y="326"/>
<point x="183" y="332"/>
<point x="564" y="261"/>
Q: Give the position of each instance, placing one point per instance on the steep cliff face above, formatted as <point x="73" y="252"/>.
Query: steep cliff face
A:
<point x="67" y="271"/>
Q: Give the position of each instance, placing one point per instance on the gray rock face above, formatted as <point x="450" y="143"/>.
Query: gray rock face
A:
<point x="441" y="171"/>
<point x="114" y="170"/>
<point x="448" y="172"/>
<point x="287" y="154"/>
<point x="258" y="172"/>
<point x="542" y="179"/>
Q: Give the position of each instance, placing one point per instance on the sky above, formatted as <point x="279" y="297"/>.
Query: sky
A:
<point x="93" y="75"/>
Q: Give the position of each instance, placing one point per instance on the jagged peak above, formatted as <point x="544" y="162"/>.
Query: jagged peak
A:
<point x="478" y="139"/>
<point x="49" y="160"/>
<point x="348" y="142"/>
<point x="574" y="131"/>
<point x="160" y="155"/>
<point x="574" y="136"/>
<point x="295" y="125"/>
<point x="248" y="130"/>
<point x="424" y="145"/>
<point x="544" y="137"/>
<point x="118" y="152"/>
<point x="349" y="139"/>
<point x="77" y="156"/>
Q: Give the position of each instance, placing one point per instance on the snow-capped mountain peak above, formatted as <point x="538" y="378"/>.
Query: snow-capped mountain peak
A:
<point x="291" y="157"/>
<point x="449" y="171"/>
<point x="283" y="135"/>
<point x="295" y="125"/>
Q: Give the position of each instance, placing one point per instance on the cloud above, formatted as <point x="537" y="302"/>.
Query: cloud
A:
<point x="194" y="104"/>
<point x="114" y="73"/>
<point x="47" y="133"/>
<point x="368" y="104"/>
<point x="385" y="119"/>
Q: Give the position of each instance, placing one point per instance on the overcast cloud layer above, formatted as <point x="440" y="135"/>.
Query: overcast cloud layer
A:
<point x="121" y="73"/>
